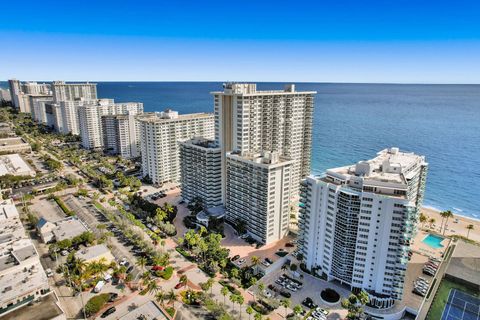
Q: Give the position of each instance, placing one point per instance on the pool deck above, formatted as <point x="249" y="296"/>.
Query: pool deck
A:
<point x="422" y="248"/>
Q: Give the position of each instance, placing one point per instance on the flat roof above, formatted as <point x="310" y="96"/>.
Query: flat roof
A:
<point x="149" y="311"/>
<point x="15" y="165"/>
<point x="92" y="252"/>
<point x="12" y="141"/>
<point x="45" y="309"/>
<point x="465" y="262"/>
<point x="69" y="228"/>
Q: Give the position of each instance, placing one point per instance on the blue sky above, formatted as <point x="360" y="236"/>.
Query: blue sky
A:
<point x="326" y="41"/>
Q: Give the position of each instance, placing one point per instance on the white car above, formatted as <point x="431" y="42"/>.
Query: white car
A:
<point x="64" y="253"/>
<point x="241" y="261"/>
<point x="49" y="272"/>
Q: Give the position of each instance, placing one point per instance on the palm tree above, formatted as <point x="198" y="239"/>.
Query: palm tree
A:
<point x="297" y="309"/>
<point x="431" y="221"/>
<point x="184" y="280"/>
<point x="233" y="299"/>
<point x="171" y="297"/>
<point x="257" y="316"/>
<point x="152" y="287"/>
<point x="160" y="297"/>
<point x="240" y="301"/>
<point x="255" y="261"/>
<point x="162" y="244"/>
<point x="422" y="219"/>
<point x="224" y="293"/>
<point x="250" y="311"/>
<point x="210" y="282"/>
<point x="469" y="227"/>
<point x="448" y="214"/>
<point x="142" y="262"/>
<point x="234" y="273"/>
<point x="261" y="287"/>
<point x="285" y="303"/>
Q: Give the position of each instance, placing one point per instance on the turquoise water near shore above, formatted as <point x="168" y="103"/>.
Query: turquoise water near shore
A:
<point x="354" y="121"/>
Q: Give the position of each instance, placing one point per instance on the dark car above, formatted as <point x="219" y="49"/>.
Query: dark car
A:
<point x="235" y="257"/>
<point x="115" y="281"/>
<point x="113" y="296"/>
<point x="129" y="269"/>
<point x="289" y="245"/>
<point x="269" y="260"/>
<point x="108" y="312"/>
<point x="286" y="294"/>
<point x="308" y="302"/>
<point x="179" y="285"/>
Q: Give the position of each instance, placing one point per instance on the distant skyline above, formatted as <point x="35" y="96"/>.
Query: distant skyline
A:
<point x="346" y="41"/>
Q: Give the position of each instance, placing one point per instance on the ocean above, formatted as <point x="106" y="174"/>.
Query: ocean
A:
<point x="352" y="122"/>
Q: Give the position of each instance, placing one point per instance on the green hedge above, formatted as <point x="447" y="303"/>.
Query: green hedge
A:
<point x="230" y="288"/>
<point x="166" y="274"/>
<point x="63" y="206"/>
<point x="96" y="303"/>
<point x="184" y="253"/>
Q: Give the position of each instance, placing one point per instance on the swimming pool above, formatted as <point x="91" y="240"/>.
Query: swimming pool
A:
<point x="433" y="241"/>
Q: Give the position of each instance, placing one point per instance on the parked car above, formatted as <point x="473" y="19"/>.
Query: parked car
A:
<point x="235" y="257"/>
<point x="113" y="296"/>
<point x="108" y="312"/>
<point x="179" y="285"/>
<point x="49" y="272"/>
<point x="129" y="269"/>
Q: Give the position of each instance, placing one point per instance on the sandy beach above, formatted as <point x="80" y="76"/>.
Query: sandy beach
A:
<point x="454" y="226"/>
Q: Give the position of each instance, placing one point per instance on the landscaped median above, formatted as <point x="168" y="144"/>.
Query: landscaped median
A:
<point x="63" y="206"/>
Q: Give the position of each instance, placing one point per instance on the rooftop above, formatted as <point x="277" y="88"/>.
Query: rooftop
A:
<point x="14" y="164"/>
<point x="465" y="263"/>
<point x="390" y="169"/>
<point x="170" y="116"/>
<point x="265" y="159"/>
<point x="147" y="311"/>
<point x="12" y="141"/>
<point x="68" y="229"/>
<point x="92" y="252"/>
<point x="232" y="88"/>
<point x="202" y="142"/>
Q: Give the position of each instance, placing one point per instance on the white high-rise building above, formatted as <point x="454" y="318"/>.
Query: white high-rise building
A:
<point x="121" y="135"/>
<point x="357" y="222"/>
<point x="201" y="171"/>
<point x="250" y="120"/>
<point x="258" y="194"/>
<point x="34" y="88"/>
<point x="161" y="133"/>
<point x="73" y="91"/>
<point x="5" y="95"/>
<point x="90" y="119"/>
<point x="15" y="91"/>
<point x="21" y="92"/>
<point x="22" y="278"/>
<point x="38" y="107"/>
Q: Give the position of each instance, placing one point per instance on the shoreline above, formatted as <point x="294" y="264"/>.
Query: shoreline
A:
<point x="456" y="215"/>
<point x="457" y="225"/>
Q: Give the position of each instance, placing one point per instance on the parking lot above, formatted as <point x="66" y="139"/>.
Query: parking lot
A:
<point x="286" y="282"/>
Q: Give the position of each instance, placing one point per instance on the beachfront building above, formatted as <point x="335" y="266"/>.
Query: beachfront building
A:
<point x="91" y="126"/>
<point x="357" y="222"/>
<point x="250" y="120"/>
<point x="161" y="134"/>
<point x="5" y="95"/>
<point x="22" y="278"/>
<point x="38" y="107"/>
<point x="21" y="92"/>
<point x="258" y="194"/>
<point x="62" y="91"/>
<point x="201" y="171"/>
<point x="121" y="135"/>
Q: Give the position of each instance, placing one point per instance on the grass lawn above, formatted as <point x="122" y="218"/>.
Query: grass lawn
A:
<point x="440" y="300"/>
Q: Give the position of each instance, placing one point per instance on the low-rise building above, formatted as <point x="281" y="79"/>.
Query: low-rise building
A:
<point x="97" y="253"/>
<point x="60" y="230"/>
<point x="14" y="165"/>
<point x="22" y="278"/>
<point x="14" y="145"/>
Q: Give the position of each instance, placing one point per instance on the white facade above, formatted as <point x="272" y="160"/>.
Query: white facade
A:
<point x="37" y="107"/>
<point x="249" y="120"/>
<point x="15" y="90"/>
<point x="5" y="95"/>
<point x="201" y="171"/>
<point x="356" y="222"/>
<point x="73" y="91"/>
<point x="258" y="193"/>
<point x="21" y="92"/>
<point x="22" y="278"/>
<point x="90" y="122"/>
<point x="160" y="135"/>
<point x="121" y="135"/>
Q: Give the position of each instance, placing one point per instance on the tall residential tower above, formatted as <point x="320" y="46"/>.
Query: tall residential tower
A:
<point x="357" y="222"/>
